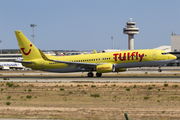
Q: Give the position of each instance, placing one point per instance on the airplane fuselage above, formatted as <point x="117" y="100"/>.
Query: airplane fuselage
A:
<point x="121" y="59"/>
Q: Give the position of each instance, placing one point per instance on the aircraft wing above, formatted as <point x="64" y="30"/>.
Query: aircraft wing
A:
<point x="77" y="64"/>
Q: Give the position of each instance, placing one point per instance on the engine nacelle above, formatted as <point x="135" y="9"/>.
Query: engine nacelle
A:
<point x="109" y="68"/>
<point x="105" y="68"/>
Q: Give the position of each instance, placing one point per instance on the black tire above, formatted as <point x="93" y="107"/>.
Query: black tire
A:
<point x="98" y="74"/>
<point x="90" y="75"/>
<point x="159" y="70"/>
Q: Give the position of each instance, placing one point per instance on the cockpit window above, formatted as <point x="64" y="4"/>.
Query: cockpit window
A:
<point x="164" y="53"/>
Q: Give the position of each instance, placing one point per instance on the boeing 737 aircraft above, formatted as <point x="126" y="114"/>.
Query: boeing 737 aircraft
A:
<point x="100" y="62"/>
<point x="10" y="65"/>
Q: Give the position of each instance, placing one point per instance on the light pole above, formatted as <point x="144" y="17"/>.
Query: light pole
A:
<point x="33" y="25"/>
<point x="1" y="45"/>
<point x="112" y="41"/>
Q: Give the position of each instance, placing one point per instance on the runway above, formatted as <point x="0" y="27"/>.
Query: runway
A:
<point x="129" y="76"/>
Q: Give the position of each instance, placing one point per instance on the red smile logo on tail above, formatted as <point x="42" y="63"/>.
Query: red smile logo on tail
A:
<point x="27" y="52"/>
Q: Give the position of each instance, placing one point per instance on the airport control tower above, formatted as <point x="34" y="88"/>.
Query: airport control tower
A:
<point x="130" y="30"/>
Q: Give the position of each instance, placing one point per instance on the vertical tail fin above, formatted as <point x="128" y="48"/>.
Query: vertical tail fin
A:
<point x="28" y="50"/>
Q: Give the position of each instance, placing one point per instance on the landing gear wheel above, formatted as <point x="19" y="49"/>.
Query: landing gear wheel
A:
<point x="98" y="74"/>
<point x="159" y="70"/>
<point x="90" y="74"/>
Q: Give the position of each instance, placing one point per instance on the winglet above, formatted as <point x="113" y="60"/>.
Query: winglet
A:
<point x="62" y="54"/>
<point x="43" y="55"/>
<point x="94" y="51"/>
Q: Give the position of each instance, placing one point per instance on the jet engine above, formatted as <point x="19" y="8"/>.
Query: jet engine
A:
<point x="105" y="68"/>
<point x="108" y="68"/>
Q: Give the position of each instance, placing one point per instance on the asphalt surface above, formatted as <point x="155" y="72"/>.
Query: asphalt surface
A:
<point x="132" y="75"/>
<point x="82" y="77"/>
<point x="94" y="79"/>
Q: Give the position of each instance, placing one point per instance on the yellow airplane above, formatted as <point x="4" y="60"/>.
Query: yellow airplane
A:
<point x="101" y="62"/>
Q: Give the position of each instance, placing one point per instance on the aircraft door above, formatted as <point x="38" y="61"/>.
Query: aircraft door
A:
<point x="98" y="60"/>
<point x="154" y="55"/>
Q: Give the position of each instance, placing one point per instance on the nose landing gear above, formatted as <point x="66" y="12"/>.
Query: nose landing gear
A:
<point x="159" y="70"/>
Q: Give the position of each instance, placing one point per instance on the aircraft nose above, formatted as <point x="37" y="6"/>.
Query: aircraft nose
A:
<point x="172" y="57"/>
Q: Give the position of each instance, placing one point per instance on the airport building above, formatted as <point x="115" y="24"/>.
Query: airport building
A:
<point x="9" y="57"/>
<point x="131" y="30"/>
<point x="175" y="43"/>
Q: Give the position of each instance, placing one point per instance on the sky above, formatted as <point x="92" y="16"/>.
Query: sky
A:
<point x="88" y="24"/>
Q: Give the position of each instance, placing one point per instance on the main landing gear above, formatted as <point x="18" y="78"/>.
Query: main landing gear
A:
<point x="98" y="74"/>
<point x="90" y="74"/>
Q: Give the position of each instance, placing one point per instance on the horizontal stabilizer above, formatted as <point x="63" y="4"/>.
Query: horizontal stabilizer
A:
<point x="20" y="61"/>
